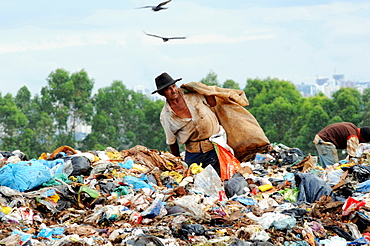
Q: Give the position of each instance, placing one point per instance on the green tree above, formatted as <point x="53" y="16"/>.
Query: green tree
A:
<point x="37" y="135"/>
<point x="273" y="103"/>
<point x="68" y="100"/>
<point x="276" y="119"/>
<point x="348" y="103"/>
<point x="121" y="118"/>
<point x="152" y="127"/>
<point x="23" y="99"/>
<point x="124" y="119"/>
<point x="311" y="119"/>
<point x="116" y="118"/>
<point x="81" y="108"/>
<point x="365" y="121"/>
<point x="260" y="92"/>
<point x="56" y="97"/>
<point x="211" y="79"/>
<point x="103" y="133"/>
<point x="12" y="122"/>
<point x="230" y="84"/>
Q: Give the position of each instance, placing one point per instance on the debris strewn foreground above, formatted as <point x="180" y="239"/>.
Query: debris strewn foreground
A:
<point x="141" y="196"/>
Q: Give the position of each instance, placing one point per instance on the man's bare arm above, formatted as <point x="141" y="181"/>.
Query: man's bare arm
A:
<point x="211" y="100"/>
<point x="175" y="149"/>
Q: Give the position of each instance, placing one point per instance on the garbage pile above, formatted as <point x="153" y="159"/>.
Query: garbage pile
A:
<point x="141" y="196"/>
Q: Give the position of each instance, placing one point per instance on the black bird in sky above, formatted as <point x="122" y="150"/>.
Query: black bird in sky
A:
<point x="158" y="7"/>
<point x="165" y="39"/>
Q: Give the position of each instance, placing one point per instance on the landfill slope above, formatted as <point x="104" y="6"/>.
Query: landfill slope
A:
<point x="141" y="196"/>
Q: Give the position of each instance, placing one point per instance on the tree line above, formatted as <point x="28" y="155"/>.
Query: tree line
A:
<point x="121" y="118"/>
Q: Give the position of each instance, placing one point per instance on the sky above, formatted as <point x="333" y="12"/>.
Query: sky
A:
<point x="292" y="40"/>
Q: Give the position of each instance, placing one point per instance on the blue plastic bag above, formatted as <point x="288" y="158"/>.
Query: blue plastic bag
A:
<point x="363" y="187"/>
<point x="360" y="241"/>
<point x="24" y="175"/>
<point x="49" y="232"/>
<point x="153" y="210"/>
<point x="245" y="200"/>
<point x="25" y="236"/>
<point x="128" y="164"/>
<point x="136" y="183"/>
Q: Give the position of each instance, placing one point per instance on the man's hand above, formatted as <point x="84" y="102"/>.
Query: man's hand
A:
<point x="175" y="149"/>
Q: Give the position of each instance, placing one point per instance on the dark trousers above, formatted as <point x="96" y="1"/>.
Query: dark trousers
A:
<point x="208" y="158"/>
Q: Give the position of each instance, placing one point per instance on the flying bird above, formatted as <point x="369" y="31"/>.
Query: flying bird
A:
<point x="158" y="7"/>
<point x="165" y="39"/>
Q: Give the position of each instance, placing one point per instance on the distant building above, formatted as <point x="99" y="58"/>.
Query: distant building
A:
<point x="329" y="86"/>
<point x="361" y="86"/>
<point x="338" y="78"/>
<point x="322" y="81"/>
<point x="156" y="96"/>
<point x="143" y="90"/>
<point x="306" y="90"/>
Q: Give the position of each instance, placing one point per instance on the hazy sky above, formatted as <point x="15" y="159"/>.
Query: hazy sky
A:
<point x="294" y="40"/>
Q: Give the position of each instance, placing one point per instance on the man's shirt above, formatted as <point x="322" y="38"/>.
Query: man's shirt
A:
<point x="195" y="131"/>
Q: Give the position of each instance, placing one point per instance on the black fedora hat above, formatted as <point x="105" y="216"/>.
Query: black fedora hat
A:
<point x="164" y="80"/>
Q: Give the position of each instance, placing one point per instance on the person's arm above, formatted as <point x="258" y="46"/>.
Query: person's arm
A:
<point x="175" y="149"/>
<point x="211" y="100"/>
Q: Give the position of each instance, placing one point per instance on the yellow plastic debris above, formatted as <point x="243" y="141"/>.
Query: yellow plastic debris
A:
<point x="140" y="168"/>
<point x="73" y="178"/>
<point x="5" y="210"/>
<point x="43" y="156"/>
<point x="170" y="164"/>
<point x="195" y="168"/>
<point x="346" y="165"/>
<point x="265" y="187"/>
<point x="115" y="173"/>
<point x="114" y="155"/>
<point x="176" y="175"/>
<point x="55" y="197"/>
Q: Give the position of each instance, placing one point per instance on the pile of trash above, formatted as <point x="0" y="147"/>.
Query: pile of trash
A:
<point x="141" y="196"/>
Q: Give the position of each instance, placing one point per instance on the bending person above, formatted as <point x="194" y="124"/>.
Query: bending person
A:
<point x="344" y="135"/>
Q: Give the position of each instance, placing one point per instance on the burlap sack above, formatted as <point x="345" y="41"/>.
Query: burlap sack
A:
<point x="244" y="134"/>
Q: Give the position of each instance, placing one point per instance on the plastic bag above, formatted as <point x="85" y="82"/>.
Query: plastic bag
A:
<point x="363" y="187"/>
<point x="351" y="205"/>
<point x="284" y="224"/>
<point x="289" y="157"/>
<point x="237" y="185"/>
<point x="192" y="230"/>
<point x="144" y="239"/>
<point x="228" y="163"/>
<point x="335" y="176"/>
<point x="81" y="165"/>
<point x="208" y="182"/>
<point x="190" y="203"/>
<point x="136" y="183"/>
<point x="361" y="172"/>
<point x="24" y="175"/>
<point x="335" y="240"/>
<point x="267" y="219"/>
<point x="221" y="139"/>
<point x="290" y="194"/>
<point x="154" y="209"/>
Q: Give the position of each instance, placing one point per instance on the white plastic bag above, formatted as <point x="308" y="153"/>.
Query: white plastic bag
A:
<point x="221" y="139"/>
<point x="208" y="182"/>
